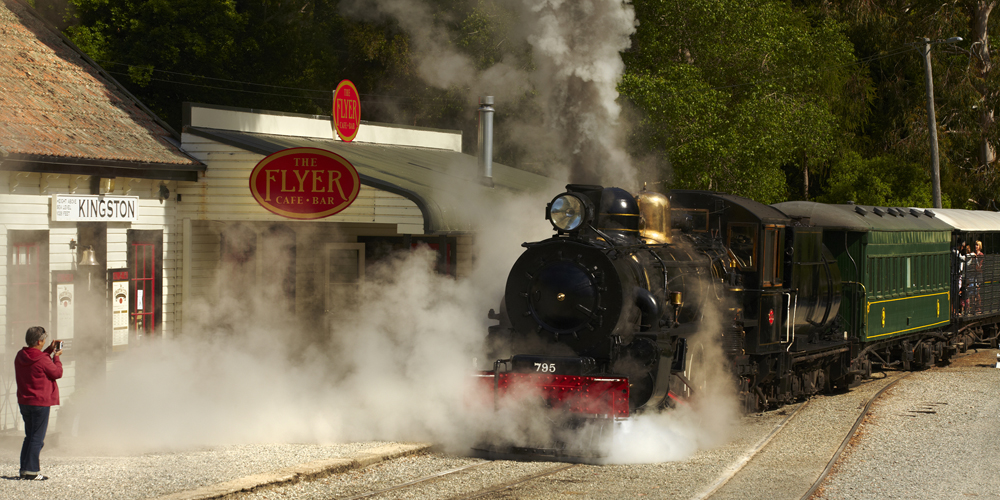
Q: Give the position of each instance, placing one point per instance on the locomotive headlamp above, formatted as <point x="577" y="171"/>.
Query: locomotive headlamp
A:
<point x="567" y="212"/>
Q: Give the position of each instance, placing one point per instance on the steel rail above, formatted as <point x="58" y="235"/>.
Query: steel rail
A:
<point x="850" y="435"/>
<point x="511" y="484"/>
<point x="731" y="472"/>
<point x="424" y="479"/>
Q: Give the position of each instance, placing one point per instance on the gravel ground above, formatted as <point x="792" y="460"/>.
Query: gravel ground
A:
<point x="384" y="475"/>
<point x="80" y="476"/>
<point x="796" y="457"/>
<point x="934" y="435"/>
<point x="680" y="479"/>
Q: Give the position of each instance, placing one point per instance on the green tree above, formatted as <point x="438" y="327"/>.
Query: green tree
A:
<point x="885" y="36"/>
<point x="734" y="92"/>
<point x="882" y="181"/>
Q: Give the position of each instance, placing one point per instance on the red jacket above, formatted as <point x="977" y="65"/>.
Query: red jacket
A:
<point x="36" y="375"/>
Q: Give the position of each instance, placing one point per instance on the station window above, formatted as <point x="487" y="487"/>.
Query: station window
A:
<point x="381" y="247"/>
<point x="27" y="282"/>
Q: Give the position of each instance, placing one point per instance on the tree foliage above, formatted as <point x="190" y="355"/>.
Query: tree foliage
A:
<point x="769" y="99"/>
<point x="735" y="92"/>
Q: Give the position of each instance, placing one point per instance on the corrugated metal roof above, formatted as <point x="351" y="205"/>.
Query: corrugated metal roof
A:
<point x="968" y="220"/>
<point x="57" y="108"/>
<point x="441" y="182"/>
<point x="846" y="217"/>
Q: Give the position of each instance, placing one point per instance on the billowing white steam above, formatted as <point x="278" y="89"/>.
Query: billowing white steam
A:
<point x="575" y="50"/>
<point x="396" y="361"/>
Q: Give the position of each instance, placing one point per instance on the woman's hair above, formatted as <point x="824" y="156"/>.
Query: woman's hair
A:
<point x="34" y="334"/>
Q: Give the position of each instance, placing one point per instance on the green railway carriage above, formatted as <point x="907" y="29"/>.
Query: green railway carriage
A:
<point x="895" y="265"/>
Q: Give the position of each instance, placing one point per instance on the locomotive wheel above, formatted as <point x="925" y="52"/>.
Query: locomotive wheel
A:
<point x="694" y="370"/>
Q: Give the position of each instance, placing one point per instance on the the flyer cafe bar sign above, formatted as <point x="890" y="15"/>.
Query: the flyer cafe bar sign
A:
<point x="304" y="183"/>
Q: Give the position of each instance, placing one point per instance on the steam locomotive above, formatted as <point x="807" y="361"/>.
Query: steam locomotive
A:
<point x="603" y="319"/>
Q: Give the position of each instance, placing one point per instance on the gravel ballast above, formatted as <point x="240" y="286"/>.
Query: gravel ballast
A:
<point x="78" y="476"/>
<point x="934" y="435"/>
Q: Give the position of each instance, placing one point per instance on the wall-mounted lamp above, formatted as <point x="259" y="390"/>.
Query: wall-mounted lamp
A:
<point x="163" y="193"/>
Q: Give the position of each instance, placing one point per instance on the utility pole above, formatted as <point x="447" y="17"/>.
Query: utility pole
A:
<point x="925" y="50"/>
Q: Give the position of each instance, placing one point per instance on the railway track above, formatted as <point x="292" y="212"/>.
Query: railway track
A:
<point x="725" y="485"/>
<point x="443" y="475"/>
<point x="733" y="473"/>
<point x="781" y="455"/>
<point x="847" y="439"/>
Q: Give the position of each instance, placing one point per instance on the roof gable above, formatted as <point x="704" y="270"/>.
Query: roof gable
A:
<point x="56" y="108"/>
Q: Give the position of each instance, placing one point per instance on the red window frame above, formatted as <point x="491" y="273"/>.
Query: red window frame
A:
<point x="143" y="316"/>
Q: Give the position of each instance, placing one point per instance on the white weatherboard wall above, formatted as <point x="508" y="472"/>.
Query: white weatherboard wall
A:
<point x="223" y="193"/>
<point x="223" y="196"/>
<point x="25" y="200"/>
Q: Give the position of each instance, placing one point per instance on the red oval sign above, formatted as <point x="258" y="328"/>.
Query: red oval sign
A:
<point x="304" y="183"/>
<point x="346" y="111"/>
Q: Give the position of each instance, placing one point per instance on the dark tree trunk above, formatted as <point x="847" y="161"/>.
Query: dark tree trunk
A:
<point x="979" y="44"/>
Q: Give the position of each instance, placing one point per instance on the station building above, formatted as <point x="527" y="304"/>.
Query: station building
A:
<point x="112" y="224"/>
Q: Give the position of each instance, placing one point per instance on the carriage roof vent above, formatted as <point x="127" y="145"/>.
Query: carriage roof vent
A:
<point x="891" y="211"/>
<point x="914" y="212"/>
<point x="878" y="211"/>
<point x="929" y="213"/>
<point x="860" y="210"/>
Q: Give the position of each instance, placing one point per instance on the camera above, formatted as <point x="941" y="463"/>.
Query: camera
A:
<point x="58" y="345"/>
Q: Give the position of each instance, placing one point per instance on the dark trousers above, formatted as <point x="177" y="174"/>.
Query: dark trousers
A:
<point x="36" y="421"/>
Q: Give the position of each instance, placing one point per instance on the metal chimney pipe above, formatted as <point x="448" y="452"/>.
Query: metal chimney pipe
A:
<point x="486" y="139"/>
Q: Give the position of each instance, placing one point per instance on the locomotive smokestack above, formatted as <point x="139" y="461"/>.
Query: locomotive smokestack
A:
<point x="486" y="139"/>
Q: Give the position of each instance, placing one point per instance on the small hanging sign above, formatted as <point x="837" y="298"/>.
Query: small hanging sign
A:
<point x="346" y="111"/>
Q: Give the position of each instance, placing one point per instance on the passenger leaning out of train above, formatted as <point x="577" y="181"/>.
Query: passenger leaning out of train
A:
<point x="960" y="258"/>
<point x="976" y="278"/>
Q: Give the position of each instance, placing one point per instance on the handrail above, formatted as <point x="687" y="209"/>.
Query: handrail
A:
<point x="864" y="294"/>
<point x="791" y="314"/>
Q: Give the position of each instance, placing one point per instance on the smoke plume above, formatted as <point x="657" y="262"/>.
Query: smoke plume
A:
<point x="392" y="359"/>
<point x="578" y="131"/>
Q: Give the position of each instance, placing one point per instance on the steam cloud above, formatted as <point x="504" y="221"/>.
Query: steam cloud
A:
<point x="575" y="49"/>
<point x="396" y="362"/>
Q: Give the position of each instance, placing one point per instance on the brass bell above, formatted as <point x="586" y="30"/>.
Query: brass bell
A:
<point x="87" y="257"/>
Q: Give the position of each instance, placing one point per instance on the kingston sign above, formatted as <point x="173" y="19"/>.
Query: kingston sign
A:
<point x="94" y="208"/>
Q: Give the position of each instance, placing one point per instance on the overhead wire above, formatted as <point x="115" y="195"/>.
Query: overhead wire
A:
<point x="383" y="97"/>
<point x="328" y="97"/>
